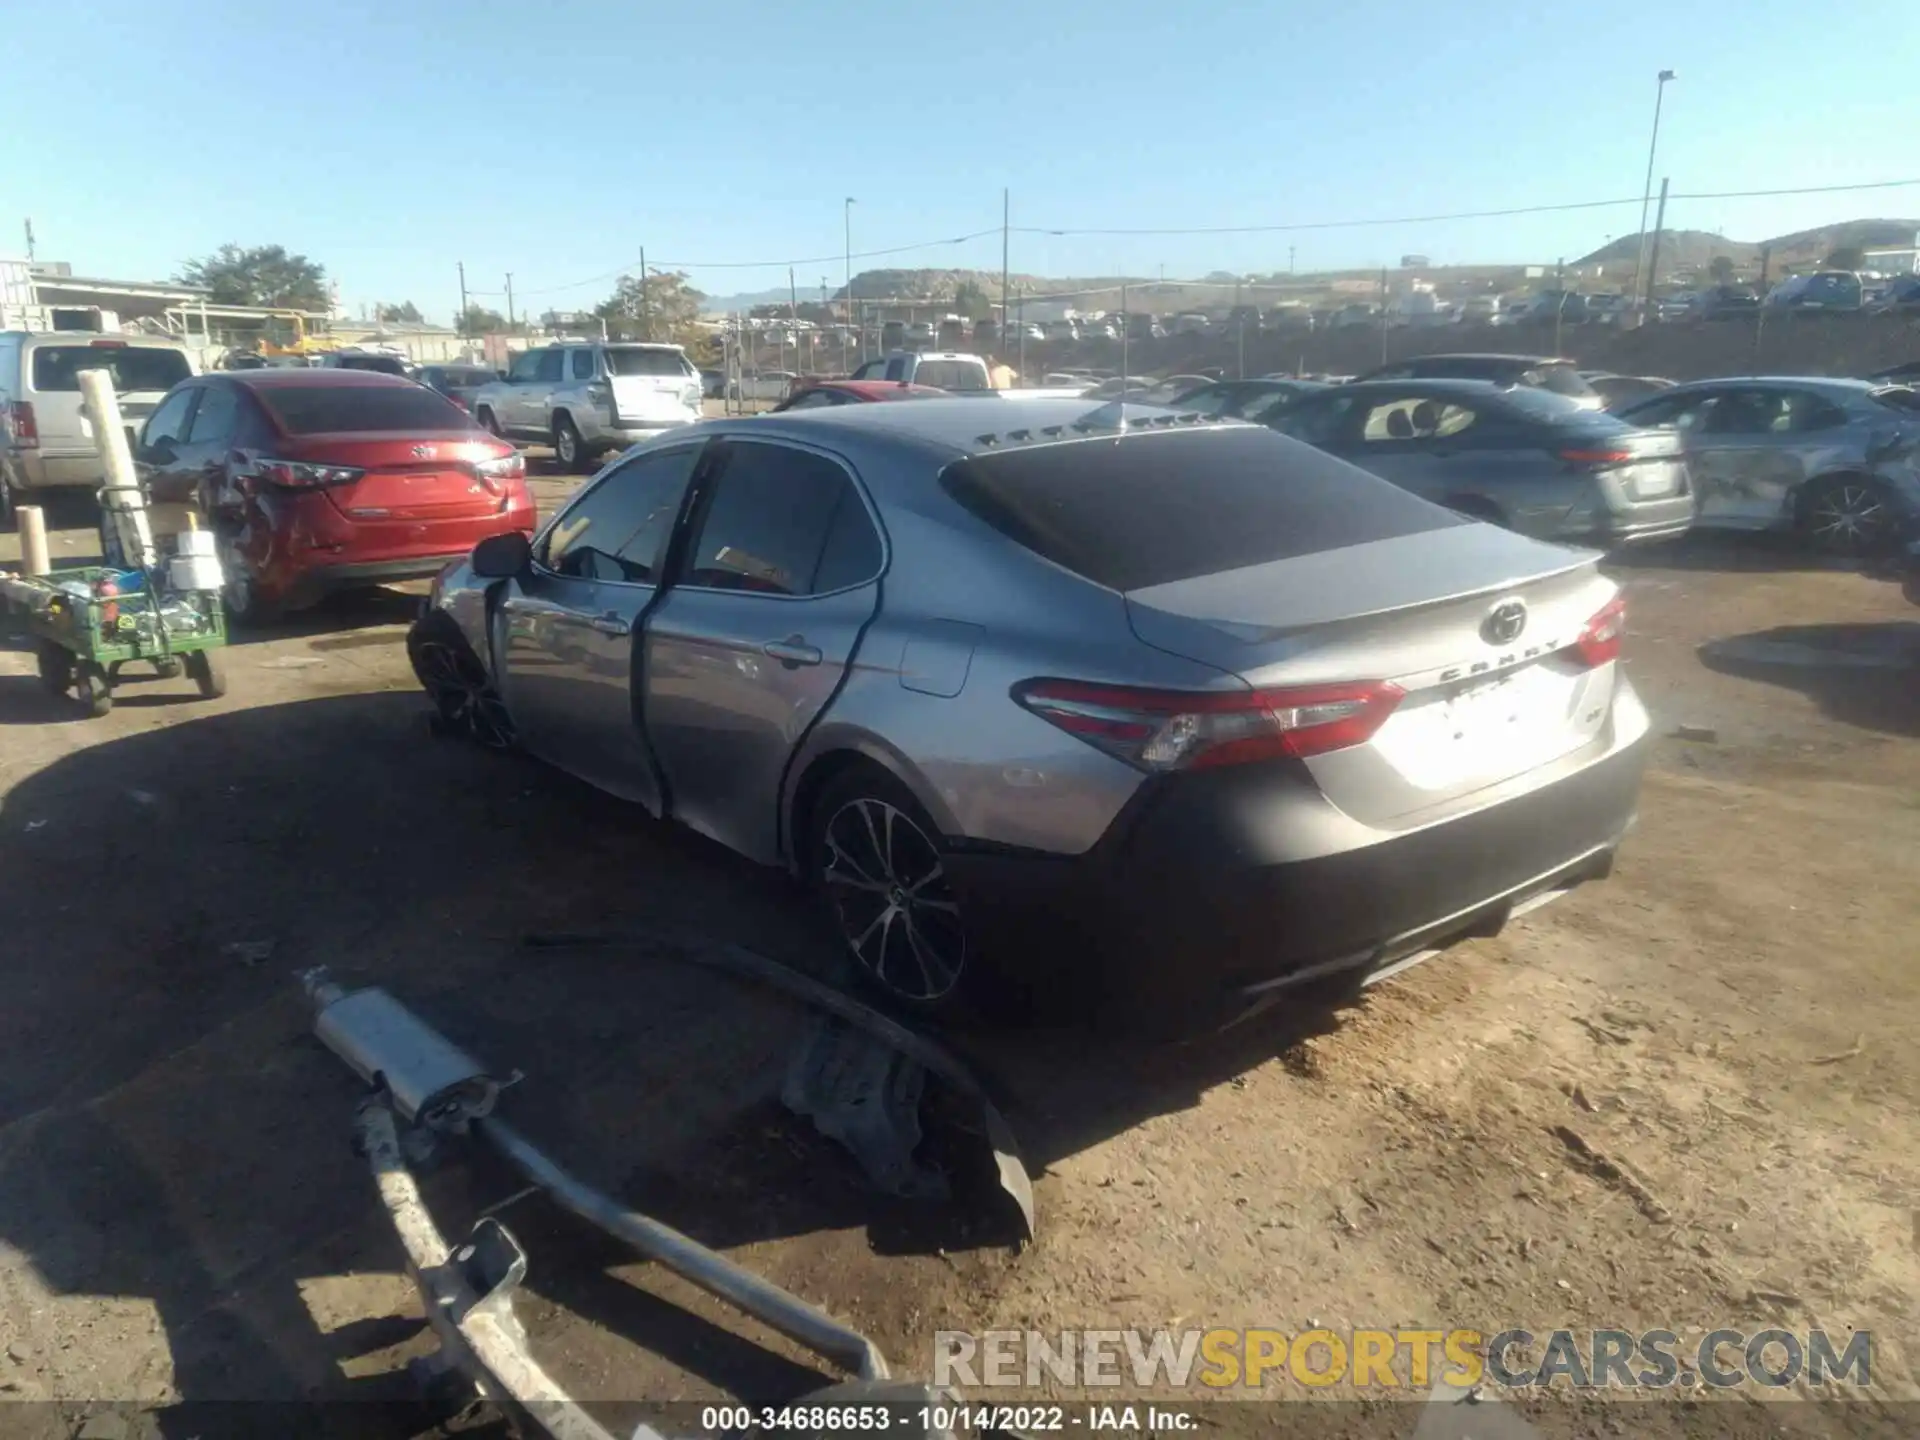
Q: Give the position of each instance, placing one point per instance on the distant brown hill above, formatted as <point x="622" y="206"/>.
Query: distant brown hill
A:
<point x="1682" y="249"/>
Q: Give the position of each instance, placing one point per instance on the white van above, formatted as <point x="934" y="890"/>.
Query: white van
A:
<point x="46" y="442"/>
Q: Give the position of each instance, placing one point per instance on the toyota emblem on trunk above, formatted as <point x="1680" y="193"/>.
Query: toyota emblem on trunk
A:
<point x="1504" y="622"/>
<point x="423" y="452"/>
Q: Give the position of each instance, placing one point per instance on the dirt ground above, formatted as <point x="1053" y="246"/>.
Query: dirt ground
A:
<point x="1728" y="1022"/>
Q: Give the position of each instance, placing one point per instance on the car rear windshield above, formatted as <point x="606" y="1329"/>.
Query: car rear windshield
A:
<point x="950" y="375"/>
<point x="339" y="409"/>
<point x="133" y="367"/>
<point x="1550" y="406"/>
<point x="1560" y="379"/>
<point x="636" y="361"/>
<point x="1142" y="510"/>
<point x="1899" y="397"/>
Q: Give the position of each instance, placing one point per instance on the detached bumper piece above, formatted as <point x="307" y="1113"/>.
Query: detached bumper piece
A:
<point x="427" y="1088"/>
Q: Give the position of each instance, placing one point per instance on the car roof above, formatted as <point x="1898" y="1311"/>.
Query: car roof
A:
<point x="878" y="389"/>
<point x="958" y="426"/>
<point x="1839" y="385"/>
<point x="1438" y="384"/>
<point x="281" y="377"/>
<point x="93" y="337"/>
<point x="1479" y="356"/>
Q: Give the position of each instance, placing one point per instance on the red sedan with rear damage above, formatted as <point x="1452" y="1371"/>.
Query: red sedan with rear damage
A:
<point x="318" y="481"/>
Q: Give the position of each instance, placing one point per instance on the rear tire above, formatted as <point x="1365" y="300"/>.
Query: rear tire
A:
<point x="877" y="863"/>
<point x="207" y="673"/>
<point x="246" y="609"/>
<point x="1847" y="515"/>
<point x="56" y="667"/>
<point x="95" y="689"/>
<point x="569" y="450"/>
<point x="9" y="499"/>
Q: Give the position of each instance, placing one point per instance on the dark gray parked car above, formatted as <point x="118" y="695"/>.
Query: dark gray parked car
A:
<point x="1521" y="457"/>
<point x="1159" y="714"/>
<point x="1539" y="372"/>
<point x="1243" y="399"/>
<point x="1833" y="459"/>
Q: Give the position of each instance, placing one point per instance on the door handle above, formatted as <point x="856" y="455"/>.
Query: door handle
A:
<point x="793" y="650"/>
<point x="611" y="624"/>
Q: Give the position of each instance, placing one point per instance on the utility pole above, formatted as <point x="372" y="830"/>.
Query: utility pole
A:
<point x="1023" y="336"/>
<point x="1646" y="190"/>
<point x="1560" y="307"/>
<point x="1653" y="252"/>
<point x="646" y="309"/>
<point x="461" y="324"/>
<point x="1383" y="314"/>
<point x="1289" y="259"/>
<point x="793" y="316"/>
<point x="1240" y="325"/>
<point x="29" y="239"/>
<point x="1126" y="329"/>
<point x="1006" y="221"/>
<point x="510" y="300"/>
<point x="846" y="217"/>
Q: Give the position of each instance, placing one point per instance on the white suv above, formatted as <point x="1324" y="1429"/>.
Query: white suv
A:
<point x="587" y="399"/>
<point x="46" y="441"/>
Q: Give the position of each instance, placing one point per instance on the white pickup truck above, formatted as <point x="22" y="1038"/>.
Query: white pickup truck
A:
<point x="950" y="370"/>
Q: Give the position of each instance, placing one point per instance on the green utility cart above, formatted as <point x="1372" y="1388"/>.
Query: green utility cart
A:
<point x="89" y="622"/>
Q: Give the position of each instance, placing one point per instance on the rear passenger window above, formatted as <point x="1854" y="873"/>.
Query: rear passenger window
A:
<point x="782" y="522"/>
<point x="550" y="364"/>
<point x="217" y="416"/>
<point x="583" y="364"/>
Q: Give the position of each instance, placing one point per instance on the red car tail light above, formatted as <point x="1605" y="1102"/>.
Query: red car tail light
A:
<point x="304" y="474"/>
<point x="26" y="429"/>
<point x="1193" y="730"/>
<point x="1595" y="457"/>
<point x="1600" y="641"/>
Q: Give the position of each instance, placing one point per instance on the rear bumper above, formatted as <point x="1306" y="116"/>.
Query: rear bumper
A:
<point x="57" y="469"/>
<point x="632" y="432"/>
<point x="1217" y="886"/>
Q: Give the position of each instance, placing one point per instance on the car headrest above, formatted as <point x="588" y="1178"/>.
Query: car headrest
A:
<point x="1399" y="426"/>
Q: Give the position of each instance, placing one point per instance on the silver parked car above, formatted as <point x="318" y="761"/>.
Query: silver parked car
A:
<point x="588" y="398"/>
<point x="1837" y="460"/>
<point x="1154" y="713"/>
<point x="1518" y="456"/>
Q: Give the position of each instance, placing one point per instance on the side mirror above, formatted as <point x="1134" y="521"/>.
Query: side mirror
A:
<point x="501" y="557"/>
<point x="160" y="452"/>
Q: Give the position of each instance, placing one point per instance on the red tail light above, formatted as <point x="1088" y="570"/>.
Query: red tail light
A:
<point x="26" y="429"/>
<point x="1595" y="457"/>
<point x="1189" y="730"/>
<point x="304" y="474"/>
<point x="1600" y="641"/>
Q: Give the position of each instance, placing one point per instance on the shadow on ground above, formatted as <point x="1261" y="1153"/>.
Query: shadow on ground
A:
<point x="1865" y="675"/>
<point x="1736" y="552"/>
<point x="169" y="1131"/>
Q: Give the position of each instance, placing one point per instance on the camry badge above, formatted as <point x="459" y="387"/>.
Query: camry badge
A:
<point x="423" y="452"/>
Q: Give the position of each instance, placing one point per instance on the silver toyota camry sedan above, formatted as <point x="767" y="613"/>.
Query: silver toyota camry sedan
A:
<point x="1063" y="698"/>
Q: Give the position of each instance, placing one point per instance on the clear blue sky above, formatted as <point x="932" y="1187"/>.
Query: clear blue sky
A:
<point x="555" y="139"/>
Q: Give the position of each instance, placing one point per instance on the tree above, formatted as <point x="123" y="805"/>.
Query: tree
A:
<point x="1846" y="257"/>
<point x="406" y="313"/>
<point x="480" y="321"/>
<point x="664" y="308"/>
<point x="1721" y="269"/>
<point x="971" y="301"/>
<point x="265" y="275"/>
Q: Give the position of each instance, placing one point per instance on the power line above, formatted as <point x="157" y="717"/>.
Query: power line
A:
<point x="659" y="265"/>
<point x="1462" y="214"/>
<point x="1072" y="231"/>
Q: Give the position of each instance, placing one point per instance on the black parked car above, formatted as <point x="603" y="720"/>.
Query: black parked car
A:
<point x="456" y="382"/>
<point x="1244" y="399"/>
<point x="1723" y="302"/>
<point x="1540" y="372"/>
<point x="1517" y="456"/>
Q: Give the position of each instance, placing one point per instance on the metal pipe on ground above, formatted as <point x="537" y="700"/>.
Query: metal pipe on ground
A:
<point x="34" y="558"/>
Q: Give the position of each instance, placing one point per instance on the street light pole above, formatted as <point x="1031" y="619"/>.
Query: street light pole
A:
<point x="1646" y="190"/>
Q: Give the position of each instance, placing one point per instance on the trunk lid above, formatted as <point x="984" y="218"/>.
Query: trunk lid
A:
<point x="1420" y="611"/>
<point x="416" y="477"/>
<point x="651" y="384"/>
<point x="1636" y="466"/>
